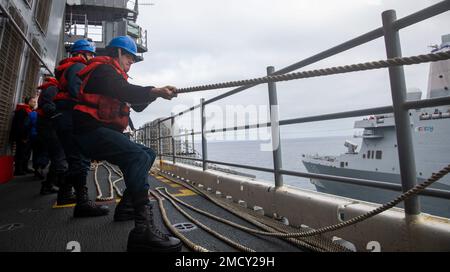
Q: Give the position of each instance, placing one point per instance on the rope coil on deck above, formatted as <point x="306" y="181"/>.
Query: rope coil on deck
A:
<point x="315" y="245"/>
<point x="433" y="57"/>
<point x="270" y="227"/>
<point x="414" y="191"/>
<point x="112" y="184"/>
<point x="297" y="238"/>
<point x="206" y="228"/>
<point x="186" y="241"/>
<point x="312" y="245"/>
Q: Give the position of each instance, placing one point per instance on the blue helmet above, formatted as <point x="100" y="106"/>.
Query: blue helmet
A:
<point x="126" y="43"/>
<point x="83" y="46"/>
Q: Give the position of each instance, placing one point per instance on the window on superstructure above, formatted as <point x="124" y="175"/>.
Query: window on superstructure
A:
<point x="379" y="155"/>
<point x="42" y="14"/>
<point x="368" y="154"/>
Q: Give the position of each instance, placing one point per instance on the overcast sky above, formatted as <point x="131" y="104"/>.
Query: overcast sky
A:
<point x="201" y="42"/>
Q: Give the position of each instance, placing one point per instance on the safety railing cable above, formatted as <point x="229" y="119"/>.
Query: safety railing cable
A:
<point x="432" y="57"/>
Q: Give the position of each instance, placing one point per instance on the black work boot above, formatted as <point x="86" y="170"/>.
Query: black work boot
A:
<point x="124" y="210"/>
<point x="65" y="193"/>
<point x="145" y="237"/>
<point x="86" y="207"/>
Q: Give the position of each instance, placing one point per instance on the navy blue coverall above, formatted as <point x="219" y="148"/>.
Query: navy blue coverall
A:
<point x="47" y="140"/>
<point x="78" y="164"/>
<point x="100" y="142"/>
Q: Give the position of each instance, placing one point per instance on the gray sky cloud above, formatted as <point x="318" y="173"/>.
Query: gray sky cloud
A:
<point x="200" y="42"/>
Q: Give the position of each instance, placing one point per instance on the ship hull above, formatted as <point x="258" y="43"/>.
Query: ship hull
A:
<point x="431" y="205"/>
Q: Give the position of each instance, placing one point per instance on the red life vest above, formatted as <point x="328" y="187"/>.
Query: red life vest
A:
<point x="49" y="82"/>
<point x="27" y="108"/>
<point x="64" y="65"/>
<point x="107" y="110"/>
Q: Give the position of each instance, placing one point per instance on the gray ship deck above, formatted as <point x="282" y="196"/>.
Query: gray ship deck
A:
<point x="32" y="223"/>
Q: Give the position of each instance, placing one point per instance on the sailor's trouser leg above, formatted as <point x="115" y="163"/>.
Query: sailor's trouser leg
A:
<point x="19" y="158"/>
<point x="55" y="152"/>
<point x="125" y="210"/>
<point x="78" y="165"/>
<point x="27" y="157"/>
<point x="134" y="160"/>
<point x="40" y="154"/>
<point x="58" y="165"/>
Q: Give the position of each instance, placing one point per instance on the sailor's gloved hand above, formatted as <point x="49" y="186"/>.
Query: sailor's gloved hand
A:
<point x="167" y="92"/>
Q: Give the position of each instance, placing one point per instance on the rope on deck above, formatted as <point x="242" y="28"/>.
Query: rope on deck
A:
<point x="112" y="184"/>
<point x="186" y="241"/>
<point x="293" y="237"/>
<point x="268" y="230"/>
<point x="204" y="227"/>
<point x="412" y="192"/>
<point x="270" y="227"/>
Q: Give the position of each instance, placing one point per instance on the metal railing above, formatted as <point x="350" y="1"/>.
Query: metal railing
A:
<point x="138" y="33"/>
<point x="400" y="109"/>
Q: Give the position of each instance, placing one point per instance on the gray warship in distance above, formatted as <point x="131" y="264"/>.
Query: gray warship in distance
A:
<point x="377" y="159"/>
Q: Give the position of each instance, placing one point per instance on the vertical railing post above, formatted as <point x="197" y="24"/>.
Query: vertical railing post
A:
<point x="204" y="142"/>
<point x="172" y="133"/>
<point x="275" y="128"/>
<point x="402" y="118"/>
<point x="193" y="140"/>
<point x="148" y="136"/>
<point x="149" y="133"/>
<point x="159" y="142"/>
<point x="86" y="26"/>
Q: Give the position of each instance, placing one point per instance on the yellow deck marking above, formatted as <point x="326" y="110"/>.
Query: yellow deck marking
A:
<point x="181" y="192"/>
<point x="55" y="206"/>
<point x="163" y="180"/>
<point x="117" y="200"/>
<point x="185" y="192"/>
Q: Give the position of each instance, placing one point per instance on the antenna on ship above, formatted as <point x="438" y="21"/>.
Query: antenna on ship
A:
<point x="137" y="4"/>
<point x="145" y="4"/>
<point x="434" y="46"/>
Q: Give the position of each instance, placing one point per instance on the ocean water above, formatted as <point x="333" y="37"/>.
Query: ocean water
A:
<point x="249" y="153"/>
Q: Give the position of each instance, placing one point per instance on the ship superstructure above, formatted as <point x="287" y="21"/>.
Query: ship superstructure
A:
<point x="377" y="158"/>
<point x="35" y="36"/>
<point x="101" y="21"/>
<point x="30" y="45"/>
